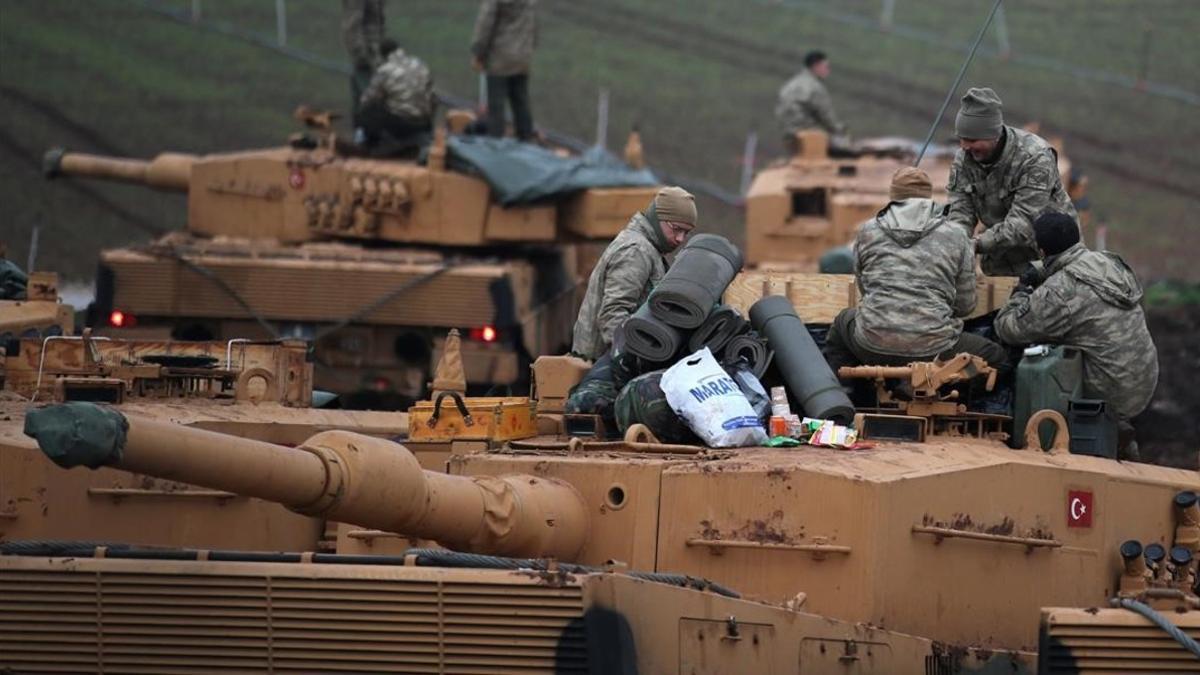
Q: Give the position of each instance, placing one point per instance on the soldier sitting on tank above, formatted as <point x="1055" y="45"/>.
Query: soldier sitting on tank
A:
<point x="362" y="34"/>
<point x="916" y="272"/>
<point x="804" y="103"/>
<point x="396" y="112"/>
<point x="1088" y="300"/>
<point x="1002" y="177"/>
<point x="629" y="268"/>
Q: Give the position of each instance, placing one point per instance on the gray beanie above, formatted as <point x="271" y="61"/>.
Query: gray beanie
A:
<point x="980" y="116"/>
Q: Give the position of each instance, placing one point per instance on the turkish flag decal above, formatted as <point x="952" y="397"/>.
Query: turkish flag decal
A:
<point x="1079" y="508"/>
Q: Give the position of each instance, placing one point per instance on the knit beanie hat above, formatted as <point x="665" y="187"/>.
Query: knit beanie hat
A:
<point x="1055" y="232"/>
<point x="910" y="182"/>
<point x="676" y="205"/>
<point x="979" y="117"/>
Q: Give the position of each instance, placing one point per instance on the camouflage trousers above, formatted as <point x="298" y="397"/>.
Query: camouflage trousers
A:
<point x="596" y="393"/>
<point x="642" y="401"/>
<point x="842" y="349"/>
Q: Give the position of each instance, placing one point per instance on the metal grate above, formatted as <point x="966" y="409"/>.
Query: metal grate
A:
<point x="1100" y="648"/>
<point x="131" y="623"/>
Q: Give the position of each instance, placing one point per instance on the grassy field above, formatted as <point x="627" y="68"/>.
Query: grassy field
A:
<point x="695" y="75"/>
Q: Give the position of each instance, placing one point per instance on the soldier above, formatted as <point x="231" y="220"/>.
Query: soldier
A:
<point x="505" y="36"/>
<point x="1004" y="178"/>
<point x="1088" y="300"/>
<point x="396" y="110"/>
<point x="362" y="33"/>
<point x="629" y="268"/>
<point x="804" y="102"/>
<point x="916" y="272"/>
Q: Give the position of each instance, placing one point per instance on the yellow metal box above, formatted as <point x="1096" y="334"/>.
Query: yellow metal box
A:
<point x="451" y="417"/>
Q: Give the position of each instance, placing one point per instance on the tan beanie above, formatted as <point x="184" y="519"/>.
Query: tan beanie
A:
<point x="910" y="182"/>
<point x="980" y="117"/>
<point x="676" y="205"/>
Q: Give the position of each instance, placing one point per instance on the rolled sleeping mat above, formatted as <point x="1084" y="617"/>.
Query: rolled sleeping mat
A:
<point x="722" y="324"/>
<point x="749" y="346"/>
<point x="702" y="270"/>
<point x="808" y="376"/>
<point x="650" y="338"/>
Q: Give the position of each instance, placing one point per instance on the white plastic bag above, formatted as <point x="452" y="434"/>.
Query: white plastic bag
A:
<point x="711" y="403"/>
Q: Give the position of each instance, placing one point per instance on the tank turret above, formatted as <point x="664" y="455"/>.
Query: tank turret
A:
<point x="339" y="475"/>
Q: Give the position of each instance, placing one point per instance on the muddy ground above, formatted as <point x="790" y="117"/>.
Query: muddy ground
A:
<point x="1169" y="430"/>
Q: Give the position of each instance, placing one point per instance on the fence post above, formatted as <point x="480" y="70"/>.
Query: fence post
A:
<point x="281" y="22"/>
<point x="33" y="249"/>
<point x="1002" y="34"/>
<point x="602" y="119"/>
<point x="886" y="14"/>
<point x="195" y="11"/>
<point x="1144" y="59"/>
<point x="748" y="161"/>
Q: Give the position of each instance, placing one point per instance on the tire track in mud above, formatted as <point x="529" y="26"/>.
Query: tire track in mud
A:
<point x="712" y="45"/>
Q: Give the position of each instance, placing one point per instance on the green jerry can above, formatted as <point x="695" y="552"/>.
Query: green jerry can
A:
<point x="1048" y="377"/>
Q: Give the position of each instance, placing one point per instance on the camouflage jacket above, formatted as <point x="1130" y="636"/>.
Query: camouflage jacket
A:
<point x="804" y="103"/>
<point x="621" y="281"/>
<point x="362" y="32"/>
<point x="916" y="272"/>
<point x="403" y="85"/>
<point x="505" y="35"/>
<point x="1090" y="301"/>
<point x="1007" y="196"/>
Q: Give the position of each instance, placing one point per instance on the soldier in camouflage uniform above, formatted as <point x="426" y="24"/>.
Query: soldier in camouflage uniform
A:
<point x="1004" y="178"/>
<point x="629" y="268"/>
<point x="804" y="103"/>
<point x="916" y="272"/>
<point x="1088" y="300"/>
<point x="362" y="34"/>
<point x="505" y="36"/>
<point x="397" y="107"/>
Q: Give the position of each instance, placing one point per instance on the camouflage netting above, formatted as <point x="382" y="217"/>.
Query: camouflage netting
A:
<point x="78" y="434"/>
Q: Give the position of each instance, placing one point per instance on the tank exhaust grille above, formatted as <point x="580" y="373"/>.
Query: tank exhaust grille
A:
<point x="129" y="622"/>
<point x="1113" y="641"/>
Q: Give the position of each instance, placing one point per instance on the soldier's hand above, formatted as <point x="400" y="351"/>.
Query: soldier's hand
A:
<point x="476" y="64"/>
<point x="1031" y="277"/>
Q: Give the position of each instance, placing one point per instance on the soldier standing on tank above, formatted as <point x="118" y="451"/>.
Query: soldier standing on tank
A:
<point x="362" y="34"/>
<point x="916" y="272"/>
<point x="804" y="103"/>
<point x="396" y="109"/>
<point x="1004" y="178"/>
<point x="1089" y="300"/>
<point x="629" y="268"/>
<point x="502" y="47"/>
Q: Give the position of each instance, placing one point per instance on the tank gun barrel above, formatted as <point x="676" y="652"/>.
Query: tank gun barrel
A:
<point x="339" y="475"/>
<point x="875" y="372"/>
<point x="168" y="171"/>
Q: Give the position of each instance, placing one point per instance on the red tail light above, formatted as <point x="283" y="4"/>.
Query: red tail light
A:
<point x="119" y="319"/>
<point x="485" y="334"/>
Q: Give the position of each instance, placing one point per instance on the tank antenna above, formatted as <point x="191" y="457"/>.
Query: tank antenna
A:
<point x="957" y="81"/>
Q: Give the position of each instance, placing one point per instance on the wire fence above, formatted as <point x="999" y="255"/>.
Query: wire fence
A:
<point x="885" y="24"/>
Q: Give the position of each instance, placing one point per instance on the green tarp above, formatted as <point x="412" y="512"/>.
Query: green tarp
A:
<point x="523" y="173"/>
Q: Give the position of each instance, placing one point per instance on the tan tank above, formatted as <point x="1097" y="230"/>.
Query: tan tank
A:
<point x="40" y="313"/>
<point x="947" y="550"/>
<point x="248" y="389"/>
<point x="260" y="259"/>
<point x="801" y="207"/>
